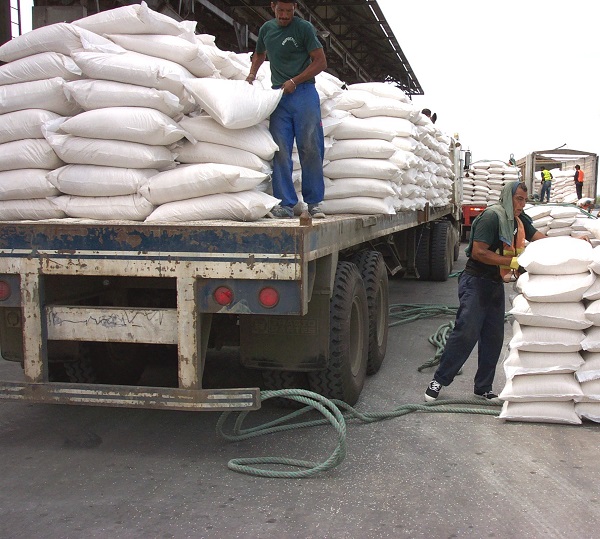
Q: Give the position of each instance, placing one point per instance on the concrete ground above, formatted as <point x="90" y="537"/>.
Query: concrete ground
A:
<point x="72" y="472"/>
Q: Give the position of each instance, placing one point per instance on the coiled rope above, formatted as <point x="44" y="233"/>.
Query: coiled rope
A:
<point x="331" y="410"/>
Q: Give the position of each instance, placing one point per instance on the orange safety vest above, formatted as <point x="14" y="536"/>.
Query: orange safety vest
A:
<point x="517" y="247"/>
<point x="580" y="176"/>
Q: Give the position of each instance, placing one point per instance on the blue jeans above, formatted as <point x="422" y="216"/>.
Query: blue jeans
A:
<point x="545" y="191"/>
<point x="298" y="115"/>
<point x="479" y="320"/>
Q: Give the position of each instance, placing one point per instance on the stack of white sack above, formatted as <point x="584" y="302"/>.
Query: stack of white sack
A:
<point x="561" y="221"/>
<point x="563" y="186"/>
<point x="551" y="328"/>
<point x="386" y="156"/>
<point x="32" y="92"/>
<point x="483" y="182"/>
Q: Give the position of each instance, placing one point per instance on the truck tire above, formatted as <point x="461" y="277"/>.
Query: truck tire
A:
<point x="273" y="379"/>
<point x="441" y="251"/>
<point x="423" y="253"/>
<point x="344" y="377"/>
<point x="375" y="278"/>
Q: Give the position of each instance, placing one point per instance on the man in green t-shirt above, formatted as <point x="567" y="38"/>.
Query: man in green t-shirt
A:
<point x="296" y="56"/>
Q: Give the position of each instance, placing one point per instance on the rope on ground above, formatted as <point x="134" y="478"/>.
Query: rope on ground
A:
<point x="331" y="410"/>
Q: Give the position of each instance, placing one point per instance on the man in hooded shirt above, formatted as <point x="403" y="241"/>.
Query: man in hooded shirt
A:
<point x="497" y="237"/>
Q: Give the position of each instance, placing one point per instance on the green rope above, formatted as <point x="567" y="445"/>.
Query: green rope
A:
<point x="330" y="409"/>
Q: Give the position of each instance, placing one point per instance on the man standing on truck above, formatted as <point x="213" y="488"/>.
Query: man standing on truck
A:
<point x="578" y="178"/>
<point x="497" y="236"/>
<point x="296" y="56"/>
<point x="546" y="185"/>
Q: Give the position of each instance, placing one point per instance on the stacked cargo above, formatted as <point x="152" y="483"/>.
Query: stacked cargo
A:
<point x="563" y="186"/>
<point x="484" y="180"/>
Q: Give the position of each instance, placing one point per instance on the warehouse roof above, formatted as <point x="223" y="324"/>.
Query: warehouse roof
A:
<point x="360" y="44"/>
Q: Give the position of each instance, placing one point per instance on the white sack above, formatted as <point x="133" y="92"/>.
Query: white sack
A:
<point x="40" y="208"/>
<point x="96" y="94"/>
<point x="542" y="387"/>
<point x="116" y="153"/>
<point x="23" y="124"/>
<point x="135" y="68"/>
<point x="381" y="89"/>
<point x="235" y="104"/>
<point x="588" y="410"/>
<point x="360" y="148"/>
<point x="61" y="37"/>
<point x="359" y="205"/>
<point x="591" y="391"/>
<point x="591" y="342"/>
<point x="207" y="152"/>
<point x="192" y="181"/>
<point x="557" y="256"/>
<point x="245" y="206"/>
<point x="555" y="288"/>
<point x="357" y="187"/>
<point x="99" y="181"/>
<point x="544" y="412"/>
<point x="45" y="94"/>
<point x="380" y="169"/>
<point x="135" y="19"/>
<point x="256" y="139"/>
<point x="595" y="264"/>
<point x="552" y="315"/>
<point x="536" y="339"/>
<point x="590" y="369"/>
<point x="593" y="292"/>
<point x="519" y="362"/>
<point x="45" y="65"/>
<point x="132" y="124"/>
<point x="592" y="312"/>
<point x="28" y="153"/>
<point x="126" y="207"/>
<point x="27" y="183"/>
<point x="385" y="106"/>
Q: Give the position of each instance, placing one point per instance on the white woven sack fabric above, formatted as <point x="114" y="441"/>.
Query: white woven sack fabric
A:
<point x="408" y="144"/>
<point x="235" y="104"/>
<point x="25" y="184"/>
<point x="356" y="187"/>
<point x="560" y="212"/>
<point x="595" y="264"/>
<point x="126" y="207"/>
<point x="593" y="292"/>
<point x="36" y="209"/>
<point x="207" y="152"/>
<point x="376" y="127"/>
<point x="24" y="124"/>
<point x="380" y="169"/>
<point x="592" y="312"/>
<point x="359" y="205"/>
<point x="61" y="37"/>
<point x="135" y="68"/>
<point x="132" y="124"/>
<point x="542" y="387"/>
<point x="562" y="222"/>
<point x="97" y="94"/>
<point x="590" y="369"/>
<point x="403" y="159"/>
<point x="360" y="148"/>
<point x="385" y="106"/>
<point x="177" y="49"/>
<point x="135" y="19"/>
<point x="593" y="226"/>
<point x="555" y="288"/>
<point x="45" y="94"/>
<point x="591" y="391"/>
<point x="45" y="65"/>
<point x="256" y="139"/>
<point x="353" y="99"/>
<point x="557" y="256"/>
<point x="116" y="153"/>
<point x="28" y="153"/>
<point x="381" y="89"/>
<point x="558" y="232"/>
<point x="550" y="315"/>
<point x="245" y="206"/>
<point x="541" y="412"/>
<point x="591" y="343"/>
<point x="588" y="410"/>
<point x="192" y="181"/>
<point x="99" y="181"/>
<point x="536" y="339"/>
<point x="519" y="362"/>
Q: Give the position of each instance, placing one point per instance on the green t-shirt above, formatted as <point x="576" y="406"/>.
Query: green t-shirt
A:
<point x="287" y="47"/>
<point x="486" y="228"/>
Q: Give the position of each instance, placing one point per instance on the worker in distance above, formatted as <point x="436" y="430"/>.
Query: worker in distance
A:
<point x="296" y="57"/>
<point x="498" y="236"/>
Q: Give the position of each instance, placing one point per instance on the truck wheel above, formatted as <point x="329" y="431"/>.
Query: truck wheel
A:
<point x="422" y="253"/>
<point x="344" y="377"/>
<point x="374" y="275"/>
<point x="441" y="251"/>
<point x="108" y="363"/>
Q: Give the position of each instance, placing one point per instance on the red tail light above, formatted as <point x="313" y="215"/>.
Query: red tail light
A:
<point x="268" y="297"/>
<point x="223" y="295"/>
<point x="4" y="290"/>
